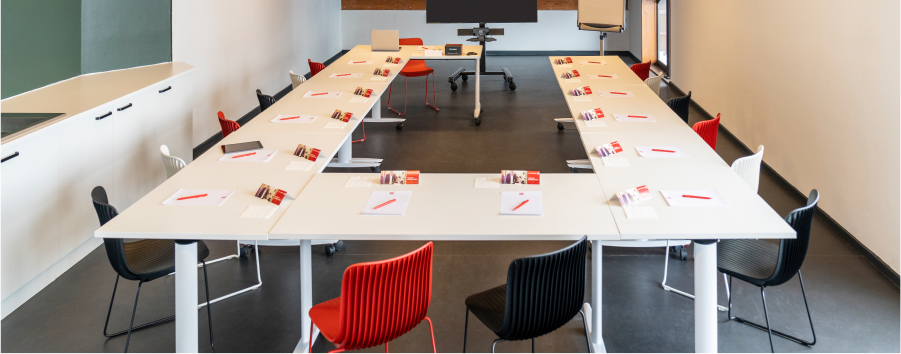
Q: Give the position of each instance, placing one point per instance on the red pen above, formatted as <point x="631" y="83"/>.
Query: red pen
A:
<point x="319" y="94"/>
<point x="694" y="196"/>
<point x="384" y="204"/>
<point x="637" y="117"/>
<point x="618" y="93"/>
<point x="252" y="153"/>
<point x="342" y="75"/>
<point x="193" y="196"/>
<point x="595" y="62"/>
<point x="357" y="62"/>
<point x="520" y="205"/>
<point x="295" y="117"/>
<point x="605" y="76"/>
<point x="661" y="150"/>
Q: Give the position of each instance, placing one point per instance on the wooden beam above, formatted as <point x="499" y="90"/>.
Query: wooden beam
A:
<point x="648" y="31"/>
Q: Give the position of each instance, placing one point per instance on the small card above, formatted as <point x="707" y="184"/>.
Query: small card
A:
<point x="304" y="165"/>
<point x="572" y="74"/>
<point x="378" y="78"/>
<point x="363" y="62"/>
<point x="581" y="91"/>
<point x="274" y="196"/>
<point x="434" y="53"/>
<point x="563" y="61"/>
<point x="520" y="177"/>
<point x="485" y="182"/>
<point x="399" y="177"/>
<point x="521" y="203"/>
<point x="646" y="118"/>
<point x="640" y="212"/>
<point x="661" y="151"/>
<point x="387" y="203"/>
<point x="259" y="211"/>
<point x="616" y="94"/>
<point x="393" y="60"/>
<point x="342" y="116"/>
<point x="357" y="181"/>
<point x="609" y="149"/>
<point x="306" y="152"/>
<point x="360" y="91"/>
<point x="592" y="114"/>
<point x="615" y="161"/>
<point x="595" y="124"/>
<point x="287" y="118"/>
<point x="633" y="195"/>
<point x="345" y="75"/>
<point x="335" y="125"/>
<point x="603" y="77"/>
<point x="390" y="65"/>
<point x="199" y="197"/>
<point x="381" y="72"/>
<point x="593" y="62"/>
<point x="359" y="99"/>
<point x="254" y="156"/>
<point x="313" y="94"/>
<point x="690" y="198"/>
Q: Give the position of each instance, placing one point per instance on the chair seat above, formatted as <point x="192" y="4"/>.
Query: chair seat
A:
<point x="750" y="260"/>
<point x="151" y="259"/>
<point x="489" y="306"/>
<point x="326" y="317"/>
<point x="416" y="68"/>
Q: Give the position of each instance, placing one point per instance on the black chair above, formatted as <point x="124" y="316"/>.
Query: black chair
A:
<point x="265" y="100"/>
<point x="680" y="106"/>
<point x="542" y="293"/>
<point x="142" y="260"/>
<point x="764" y="264"/>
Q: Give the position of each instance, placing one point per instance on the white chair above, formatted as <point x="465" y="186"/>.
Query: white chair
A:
<point x="296" y="80"/>
<point x="171" y="163"/>
<point x="654" y="83"/>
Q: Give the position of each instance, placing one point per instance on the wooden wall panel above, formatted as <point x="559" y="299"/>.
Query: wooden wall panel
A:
<point x="420" y="4"/>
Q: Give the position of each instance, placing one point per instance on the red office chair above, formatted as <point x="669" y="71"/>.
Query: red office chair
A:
<point x="414" y="68"/>
<point x="315" y="67"/>
<point x="643" y="70"/>
<point x="707" y="130"/>
<point x="228" y="126"/>
<point x="379" y="302"/>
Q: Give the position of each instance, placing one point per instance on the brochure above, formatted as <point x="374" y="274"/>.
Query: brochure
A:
<point x="520" y="177"/>
<point x="400" y="177"/>
<point x="306" y="152"/>
<point x="342" y="116"/>
<point x="270" y="194"/>
<point x="592" y="114"/>
<point x="633" y="195"/>
<point x="609" y="149"/>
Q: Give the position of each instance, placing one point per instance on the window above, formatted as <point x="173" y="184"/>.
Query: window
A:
<point x="662" y="42"/>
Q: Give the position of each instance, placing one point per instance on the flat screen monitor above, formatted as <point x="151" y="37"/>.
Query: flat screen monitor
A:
<point x="476" y="11"/>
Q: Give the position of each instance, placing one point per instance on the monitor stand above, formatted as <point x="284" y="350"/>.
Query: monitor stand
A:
<point x="481" y="32"/>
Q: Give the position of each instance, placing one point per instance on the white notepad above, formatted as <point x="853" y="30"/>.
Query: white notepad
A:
<point x="572" y="81"/>
<point x="583" y="98"/>
<point x="616" y="94"/>
<point x="357" y="181"/>
<point x="249" y="156"/>
<point x="641" y="118"/>
<point x="259" y="211"/>
<point x="398" y="207"/>
<point x="663" y="151"/>
<point x="206" y="197"/>
<point x="303" y="165"/>
<point x="345" y="75"/>
<point x="486" y="182"/>
<point x="595" y="123"/>
<point x="390" y="65"/>
<point x="640" y="212"/>
<point x="335" y="125"/>
<point x="615" y="161"/>
<point x="510" y="200"/>
<point x="359" y="99"/>
<point x="290" y="118"/>
<point x="320" y="94"/>
<point x="694" y="198"/>
<point x="378" y="78"/>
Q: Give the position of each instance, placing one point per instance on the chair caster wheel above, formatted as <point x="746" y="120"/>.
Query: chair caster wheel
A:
<point x="453" y="86"/>
<point x="329" y="250"/>
<point x="478" y="121"/>
<point x="242" y="251"/>
<point x="512" y="86"/>
<point x="573" y="170"/>
<point x="684" y="254"/>
<point x="339" y="245"/>
<point x="376" y="169"/>
<point x="464" y="77"/>
<point x="559" y="126"/>
<point x="399" y="126"/>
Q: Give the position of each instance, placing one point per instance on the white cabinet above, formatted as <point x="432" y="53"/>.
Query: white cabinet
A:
<point x="30" y="208"/>
<point x="174" y="102"/>
<point x="137" y="168"/>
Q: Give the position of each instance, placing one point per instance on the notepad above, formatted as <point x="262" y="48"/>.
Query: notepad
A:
<point x="615" y="161"/>
<point x="345" y="75"/>
<point x="641" y="118"/>
<point x="572" y="81"/>
<point x="616" y="94"/>
<point x="253" y="156"/>
<point x="359" y="99"/>
<point x="259" y="211"/>
<point x="512" y="200"/>
<point x="585" y="98"/>
<point x="661" y="151"/>
<point x="486" y="182"/>
<point x="300" y="165"/>
<point x="357" y="182"/>
<point x="387" y="203"/>
<point x="335" y="125"/>
<point x="294" y="118"/>
<point x="321" y="94"/>
<point x="378" y="78"/>
<point x="640" y="212"/>
<point x="595" y="124"/>
<point x="199" y="197"/>
<point x="603" y="77"/>
<point x="693" y="198"/>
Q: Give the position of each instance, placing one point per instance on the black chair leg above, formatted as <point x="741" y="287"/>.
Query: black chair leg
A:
<point x="108" y="312"/>
<point x="133" y="311"/>
<point x="465" y="329"/>
<point x="533" y="345"/>
<point x="585" y="324"/>
<point x="766" y="316"/>
<point x="729" y="314"/>
<point x="770" y="330"/>
<point x="209" y="312"/>
<point x="810" y="319"/>
<point x="148" y="324"/>
<point x="495" y="343"/>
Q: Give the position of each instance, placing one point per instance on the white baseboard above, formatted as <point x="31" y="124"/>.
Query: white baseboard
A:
<point x="19" y="297"/>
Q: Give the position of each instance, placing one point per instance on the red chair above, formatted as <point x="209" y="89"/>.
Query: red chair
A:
<point x="315" y="67"/>
<point x="379" y="302"/>
<point x="707" y="130"/>
<point x="414" y="68"/>
<point x="228" y="126"/>
<point x="643" y="70"/>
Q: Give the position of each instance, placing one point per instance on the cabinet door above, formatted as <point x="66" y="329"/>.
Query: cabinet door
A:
<point x="137" y="167"/>
<point x="174" y="111"/>
<point x="86" y="161"/>
<point x="29" y="219"/>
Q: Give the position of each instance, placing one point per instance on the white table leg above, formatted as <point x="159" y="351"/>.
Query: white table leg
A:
<point x="306" y="296"/>
<point x="186" y="340"/>
<point x="377" y="114"/>
<point x="593" y="310"/>
<point x="345" y="157"/>
<point x="478" y="110"/>
<point x="705" y="297"/>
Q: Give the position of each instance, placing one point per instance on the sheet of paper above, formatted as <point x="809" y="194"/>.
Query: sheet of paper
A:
<point x="359" y="99"/>
<point x="616" y="94"/>
<point x="294" y="118"/>
<point x="253" y="156"/>
<point x="378" y="78"/>
<point x="510" y="200"/>
<point x="357" y="181"/>
<point x="433" y="53"/>
<point x="592" y="62"/>
<point x="572" y="81"/>
<point x="321" y="94"/>
<point x="398" y="207"/>
<point x="203" y="197"/>
<point x="595" y="123"/>
<point x="259" y="211"/>
<point x="345" y="75"/>
<point x="583" y="98"/>
<point x="303" y="165"/>
<point x="646" y="118"/>
<point x="360" y="62"/>
<point x="335" y="125"/>
<point x="390" y="65"/>
<point x="640" y="212"/>
<point x="661" y="151"/>
<point x="564" y="66"/>
<point x="487" y="182"/>
<point x="615" y="161"/>
<point x="603" y="77"/>
<point x="704" y="197"/>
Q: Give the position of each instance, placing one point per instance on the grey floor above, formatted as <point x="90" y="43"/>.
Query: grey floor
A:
<point x="855" y="308"/>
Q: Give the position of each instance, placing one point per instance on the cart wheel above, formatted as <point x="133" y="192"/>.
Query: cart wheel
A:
<point x="684" y="253"/>
<point x="465" y="77"/>
<point x="478" y="121"/>
<point x="243" y="251"/>
<point x="329" y="250"/>
<point x="399" y="126"/>
<point x="559" y="126"/>
<point x="376" y="169"/>
<point x="573" y="170"/>
<point x="339" y="245"/>
<point x="512" y="86"/>
<point x="453" y="86"/>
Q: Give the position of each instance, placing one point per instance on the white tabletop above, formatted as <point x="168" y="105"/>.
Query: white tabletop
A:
<point x="614" y="66"/>
<point x="700" y="155"/>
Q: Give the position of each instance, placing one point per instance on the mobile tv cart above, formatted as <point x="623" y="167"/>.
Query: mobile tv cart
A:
<point x="481" y="35"/>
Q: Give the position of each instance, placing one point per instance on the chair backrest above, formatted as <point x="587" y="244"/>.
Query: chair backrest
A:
<point x="707" y="130"/>
<point x="382" y="300"/>
<point x="410" y="41"/>
<point x="266" y="101"/>
<point x="654" y="83"/>
<point x="296" y="80"/>
<point x="643" y="70"/>
<point x="171" y="163"/>
<point x="748" y="168"/>
<point x="228" y="126"/>
<point x="680" y="106"/>
<point x="544" y="292"/>
<point x="315" y="67"/>
<point x="115" y="247"/>
<point x="793" y="251"/>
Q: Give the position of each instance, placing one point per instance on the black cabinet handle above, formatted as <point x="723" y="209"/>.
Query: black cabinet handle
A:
<point x="120" y="109"/>
<point x="9" y="157"/>
<point x="104" y="116"/>
<point x="166" y="89"/>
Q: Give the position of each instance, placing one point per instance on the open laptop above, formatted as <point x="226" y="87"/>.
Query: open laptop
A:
<point x="385" y="40"/>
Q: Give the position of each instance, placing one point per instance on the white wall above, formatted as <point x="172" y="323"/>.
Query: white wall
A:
<point x="555" y="30"/>
<point x="240" y="46"/>
<point x="816" y="82"/>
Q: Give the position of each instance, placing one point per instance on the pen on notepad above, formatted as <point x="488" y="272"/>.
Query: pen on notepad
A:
<point x="661" y="150"/>
<point x="694" y="196"/>
<point x="342" y="75"/>
<point x="384" y="204"/>
<point x="520" y="205"/>
<point x="193" y="196"/>
<point x="605" y="76"/>
<point x="358" y="62"/>
<point x="595" y="62"/>
<point x="252" y="153"/>
<point x="319" y="94"/>
<point x="294" y="117"/>
<point x="618" y="93"/>
<point x="636" y="116"/>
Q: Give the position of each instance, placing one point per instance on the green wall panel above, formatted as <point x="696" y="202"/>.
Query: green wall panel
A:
<point x="119" y="34"/>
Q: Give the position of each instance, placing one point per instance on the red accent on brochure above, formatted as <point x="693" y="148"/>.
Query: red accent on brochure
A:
<point x="587" y="90"/>
<point x="275" y="196"/>
<point x="644" y="191"/>
<point x="306" y="152"/>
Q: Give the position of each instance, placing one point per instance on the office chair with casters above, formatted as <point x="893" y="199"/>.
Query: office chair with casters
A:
<point x="415" y="68"/>
<point x="542" y="293"/>
<point x="643" y="70"/>
<point x="171" y="163"/>
<point x="765" y="264"/>
<point x="266" y="101"/>
<point x="315" y="67"/>
<point x="379" y="302"/>
<point x="296" y="80"/>
<point x="708" y="129"/>
<point x="680" y="106"/>
<point x="654" y="83"/>
<point x="228" y="126"/>
<point x="141" y="260"/>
